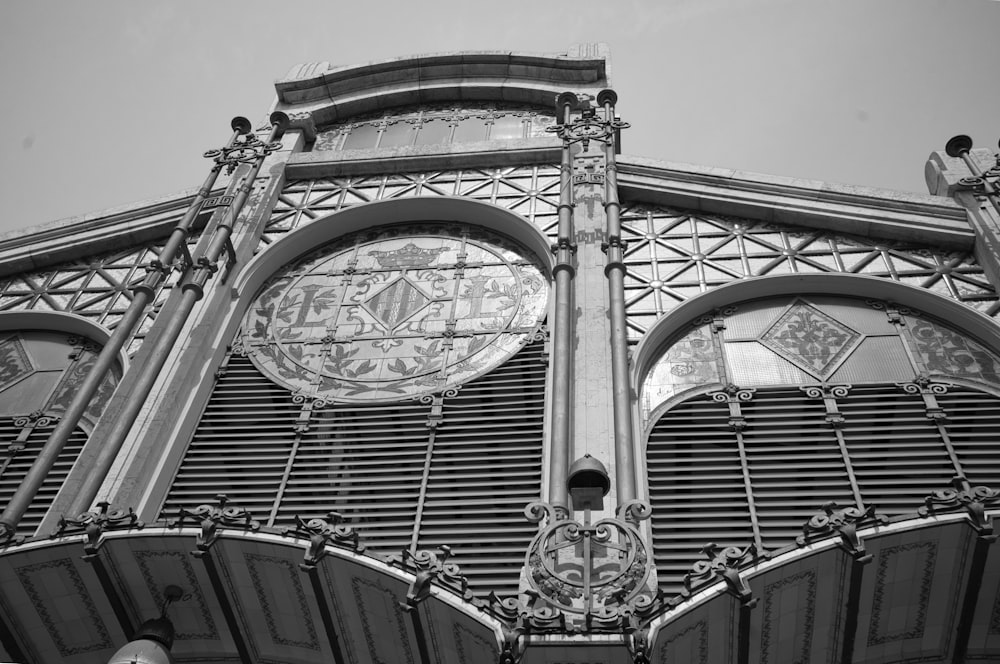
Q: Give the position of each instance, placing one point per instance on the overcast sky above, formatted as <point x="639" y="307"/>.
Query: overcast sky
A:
<point x="108" y="103"/>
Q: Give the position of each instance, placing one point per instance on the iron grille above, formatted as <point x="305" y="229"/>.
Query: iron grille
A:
<point x="453" y="471"/>
<point x="797" y="456"/>
<point x="16" y="462"/>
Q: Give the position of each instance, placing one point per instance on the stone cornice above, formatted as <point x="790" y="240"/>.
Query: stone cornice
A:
<point x="864" y="211"/>
<point x="67" y="239"/>
<point x="315" y="94"/>
<point x="423" y="158"/>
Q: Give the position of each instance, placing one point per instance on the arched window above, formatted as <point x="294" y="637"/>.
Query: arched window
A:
<point x="395" y="376"/>
<point x="761" y="413"/>
<point x="39" y="373"/>
<point x="435" y="124"/>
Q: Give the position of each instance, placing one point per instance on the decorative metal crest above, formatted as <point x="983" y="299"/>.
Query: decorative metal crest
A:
<point x="588" y="127"/>
<point x="212" y="519"/>
<point x="322" y="533"/>
<point x="95" y="524"/>
<point x="589" y="569"/>
<point x="429" y="568"/>
<point x="973" y="499"/>
<point x="724" y="563"/>
<point x="844" y="522"/>
<point x="245" y="150"/>
<point x="37" y="418"/>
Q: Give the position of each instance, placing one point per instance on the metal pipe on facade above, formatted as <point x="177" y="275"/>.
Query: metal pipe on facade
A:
<point x="192" y="290"/>
<point x="562" y="338"/>
<point x="615" y="271"/>
<point x="106" y="359"/>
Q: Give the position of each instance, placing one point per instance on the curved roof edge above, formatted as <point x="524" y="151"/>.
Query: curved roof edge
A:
<point x="317" y="93"/>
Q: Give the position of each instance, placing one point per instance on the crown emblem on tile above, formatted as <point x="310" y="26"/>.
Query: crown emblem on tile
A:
<point x="409" y="256"/>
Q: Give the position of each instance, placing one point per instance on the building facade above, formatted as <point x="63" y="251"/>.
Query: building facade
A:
<point x="430" y="370"/>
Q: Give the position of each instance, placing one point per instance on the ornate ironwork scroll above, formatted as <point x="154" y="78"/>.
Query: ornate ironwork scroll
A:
<point x="973" y="499"/>
<point x="724" y="563"/>
<point x="845" y="522"/>
<point x="212" y="519"/>
<point x="322" y="533"/>
<point x="95" y="524"/>
<point x="588" y="568"/>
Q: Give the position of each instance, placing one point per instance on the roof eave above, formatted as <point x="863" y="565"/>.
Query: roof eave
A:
<point x="863" y="211"/>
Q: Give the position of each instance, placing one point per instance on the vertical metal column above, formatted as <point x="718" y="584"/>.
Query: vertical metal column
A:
<point x="192" y="290"/>
<point x="562" y="335"/>
<point x="142" y="295"/>
<point x="615" y="272"/>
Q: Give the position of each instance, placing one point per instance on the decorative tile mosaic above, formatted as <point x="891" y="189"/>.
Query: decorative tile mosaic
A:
<point x="395" y="313"/>
<point x="810" y="339"/>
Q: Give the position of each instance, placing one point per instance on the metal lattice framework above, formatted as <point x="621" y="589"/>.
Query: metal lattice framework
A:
<point x="673" y="255"/>
<point x="531" y="191"/>
<point x="98" y="287"/>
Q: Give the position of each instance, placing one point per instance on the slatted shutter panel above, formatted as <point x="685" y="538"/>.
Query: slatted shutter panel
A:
<point x="695" y="486"/>
<point x="19" y="463"/>
<point x="896" y="450"/>
<point x="898" y="454"/>
<point x="456" y="473"/>
<point x="365" y="462"/>
<point x="241" y="446"/>
<point x="486" y="466"/>
<point x="974" y="430"/>
<point x="794" y="460"/>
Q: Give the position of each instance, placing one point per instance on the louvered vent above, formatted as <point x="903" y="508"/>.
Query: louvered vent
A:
<point x="794" y="449"/>
<point x="695" y="486"/>
<point x="794" y="461"/>
<point x="974" y="431"/>
<point x="19" y="461"/>
<point x="896" y="450"/>
<point x="457" y="471"/>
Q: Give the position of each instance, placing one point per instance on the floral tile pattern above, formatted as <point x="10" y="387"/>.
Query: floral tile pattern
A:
<point x="395" y="313"/>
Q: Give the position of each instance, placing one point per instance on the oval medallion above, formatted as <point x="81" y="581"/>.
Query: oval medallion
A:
<point x="395" y="313"/>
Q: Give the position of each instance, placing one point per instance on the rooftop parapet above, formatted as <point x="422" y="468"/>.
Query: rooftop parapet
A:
<point x="315" y="94"/>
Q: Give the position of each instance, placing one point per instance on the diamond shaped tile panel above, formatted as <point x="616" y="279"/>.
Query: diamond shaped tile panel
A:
<point x="811" y="339"/>
<point x="397" y="302"/>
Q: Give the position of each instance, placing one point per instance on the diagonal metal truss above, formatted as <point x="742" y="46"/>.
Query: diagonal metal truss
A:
<point x="98" y="287"/>
<point x="531" y="191"/>
<point x="673" y="255"/>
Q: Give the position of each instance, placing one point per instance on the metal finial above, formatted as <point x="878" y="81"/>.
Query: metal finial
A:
<point x="957" y="145"/>
<point x="241" y="124"/>
<point x="280" y="120"/>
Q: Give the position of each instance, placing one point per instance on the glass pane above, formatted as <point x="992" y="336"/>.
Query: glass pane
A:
<point x="470" y="129"/>
<point x="506" y="128"/>
<point x="397" y="134"/>
<point x="433" y="132"/>
<point x="362" y="136"/>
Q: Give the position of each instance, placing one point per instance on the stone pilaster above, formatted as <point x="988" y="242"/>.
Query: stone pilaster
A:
<point x="950" y="176"/>
<point x="593" y="414"/>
